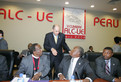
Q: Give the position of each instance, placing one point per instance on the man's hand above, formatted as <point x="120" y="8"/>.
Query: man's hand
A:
<point x="117" y="80"/>
<point x="69" y="52"/>
<point x="61" y="77"/>
<point x="86" y="80"/>
<point x="36" y="76"/>
<point x="54" y="52"/>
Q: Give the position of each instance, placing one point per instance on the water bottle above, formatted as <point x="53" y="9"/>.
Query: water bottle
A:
<point x="72" y="79"/>
<point x="20" y="79"/>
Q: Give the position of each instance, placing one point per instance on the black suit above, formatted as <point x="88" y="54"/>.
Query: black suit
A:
<point x="115" y="68"/>
<point x="82" y="68"/>
<point x="49" y="43"/>
<point x="3" y="68"/>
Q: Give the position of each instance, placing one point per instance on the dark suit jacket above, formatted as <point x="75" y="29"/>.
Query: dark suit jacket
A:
<point x="115" y="68"/>
<point x="3" y="44"/>
<point x="82" y="68"/>
<point x="49" y="43"/>
<point x="27" y="67"/>
<point x="3" y="68"/>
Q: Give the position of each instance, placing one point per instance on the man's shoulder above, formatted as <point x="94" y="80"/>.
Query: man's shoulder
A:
<point x="27" y="57"/>
<point x="44" y="56"/>
<point x="83" y="60"/>
<point x="115" y="59"/>
<point x="61" y="34"/>
<point x="3" y="40"/>
<point x="67" y="57"/>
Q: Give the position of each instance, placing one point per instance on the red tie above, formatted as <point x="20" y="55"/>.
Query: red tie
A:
<point x="107" y="68"/>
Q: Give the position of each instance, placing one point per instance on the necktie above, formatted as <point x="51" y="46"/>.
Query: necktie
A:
<point x="70" y="73"/>
<point x="107" y="70"/>
<point x="55" y="39"/>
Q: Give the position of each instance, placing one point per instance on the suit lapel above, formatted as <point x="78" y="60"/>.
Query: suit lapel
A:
<point x="112" y="66"/>
<point x="40" y="64"/>
<point x="77" y="65"/>
<point x="58" y="41"/>
<point x="53" y="40"/>
<point x="67" y="65"/>
<point x="31" y="66"/>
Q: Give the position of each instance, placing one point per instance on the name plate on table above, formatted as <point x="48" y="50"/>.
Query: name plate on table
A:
<point x="39" y="81"/>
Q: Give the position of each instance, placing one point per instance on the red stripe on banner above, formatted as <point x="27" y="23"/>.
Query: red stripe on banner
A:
<point x="84" y="21"/>
<point x="75" y="36"/>
<point x="63" y="22"/>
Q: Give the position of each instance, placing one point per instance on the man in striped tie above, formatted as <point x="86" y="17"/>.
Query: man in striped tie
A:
<point x="108" y="67"/>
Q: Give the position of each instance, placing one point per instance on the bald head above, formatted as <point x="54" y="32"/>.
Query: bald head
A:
<point x="56" y="29"/>
<point x="77" y="51"/>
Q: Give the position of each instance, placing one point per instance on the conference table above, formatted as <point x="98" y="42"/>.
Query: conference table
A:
<point x="96" y="80"/>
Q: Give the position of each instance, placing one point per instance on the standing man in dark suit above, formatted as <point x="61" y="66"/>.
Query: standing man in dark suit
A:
<point x="36" y="66"/>
<point x="75" y="65"/>
<point x="108" y="67"/>
<point x="3" y="42"/>
<point x="54" y="42"/>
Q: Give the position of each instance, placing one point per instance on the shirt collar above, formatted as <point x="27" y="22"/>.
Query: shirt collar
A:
<point x="108" y="60"/>
<point x="76" y="58"/>
<point x="34" y="56"/>
<point x="54" y="35"/>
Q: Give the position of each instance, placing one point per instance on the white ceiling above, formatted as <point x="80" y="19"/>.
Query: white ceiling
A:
<point x="100" y="5"/>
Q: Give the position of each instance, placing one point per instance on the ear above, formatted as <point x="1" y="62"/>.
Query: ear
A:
<point x="112" y="54"/>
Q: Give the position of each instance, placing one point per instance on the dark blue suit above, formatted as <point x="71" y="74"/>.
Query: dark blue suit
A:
<point x="49" y="43"/>
<point x="115" y="68"/>
<point x="81" y="70"/>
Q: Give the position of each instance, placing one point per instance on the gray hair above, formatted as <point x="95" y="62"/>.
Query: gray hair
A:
<point x="81" y="50"/>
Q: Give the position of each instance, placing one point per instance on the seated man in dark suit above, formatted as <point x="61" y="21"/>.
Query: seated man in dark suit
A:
<point x="75" y="65"/>
<point x="108" y="67"/>
<point x="3" y="68"/>
<point x="90" y="49"/>
<point x="36" y="65"/>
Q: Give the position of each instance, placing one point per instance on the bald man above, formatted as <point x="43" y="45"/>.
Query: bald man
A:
<point x="54" y="42"/>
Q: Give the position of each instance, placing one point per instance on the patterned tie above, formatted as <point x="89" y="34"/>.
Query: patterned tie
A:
<point x="107" y="70"/>
<point x="55" y="39"/>
<point x="70" y="69"/>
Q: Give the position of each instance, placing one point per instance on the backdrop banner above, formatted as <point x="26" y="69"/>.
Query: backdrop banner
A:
<point x="74" y="23"/>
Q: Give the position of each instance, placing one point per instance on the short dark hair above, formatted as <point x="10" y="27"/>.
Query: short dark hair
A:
<point x="108" y="48"/>
<point x="90" y="47"/>
<point x="1" y="32"/>
<point x="32" y="48"/>
<point x="116" y="39"/>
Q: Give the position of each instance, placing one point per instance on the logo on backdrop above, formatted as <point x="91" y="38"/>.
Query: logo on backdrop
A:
<point x="74" y="23"/>
<point x="40" y="16"/>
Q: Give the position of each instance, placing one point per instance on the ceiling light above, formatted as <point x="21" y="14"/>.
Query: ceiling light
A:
<point x="114" y="9"/>
<point x="66" y="2"/>
<point x="92" y="6"/>
<point x="38" y="0"/>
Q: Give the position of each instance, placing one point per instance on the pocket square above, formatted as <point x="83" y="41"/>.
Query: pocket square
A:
<point x="113" y="64"/>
